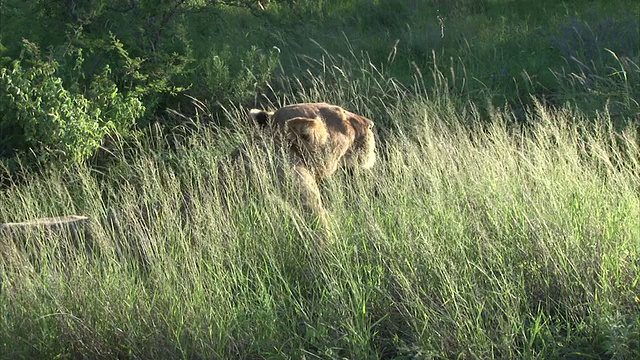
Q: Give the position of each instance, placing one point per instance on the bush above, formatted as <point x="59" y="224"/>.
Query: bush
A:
<point x="44" y="117"/>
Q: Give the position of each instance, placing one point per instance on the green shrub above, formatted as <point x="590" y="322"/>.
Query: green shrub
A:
<point x="44" y="117"/>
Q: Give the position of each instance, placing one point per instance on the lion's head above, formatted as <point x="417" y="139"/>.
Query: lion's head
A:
<point x="322" y="136"/>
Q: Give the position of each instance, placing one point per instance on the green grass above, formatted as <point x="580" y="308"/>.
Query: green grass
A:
<point x="500" y="51"/>
<point x="471" y="238"/>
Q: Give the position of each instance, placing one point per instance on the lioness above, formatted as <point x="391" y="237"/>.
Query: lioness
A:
<point x="318" y="138"/>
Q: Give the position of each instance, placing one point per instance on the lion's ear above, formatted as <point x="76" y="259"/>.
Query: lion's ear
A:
<point x="261" y="117"/>
<point x="360" y="123"/>
<point x="309" y="130"/>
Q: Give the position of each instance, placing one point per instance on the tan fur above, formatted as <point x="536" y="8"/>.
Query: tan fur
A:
<point x="318" y="139"/>
<point x="350" y="136"/>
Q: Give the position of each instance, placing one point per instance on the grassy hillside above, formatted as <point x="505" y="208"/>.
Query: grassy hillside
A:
<point x="501" y="220"/>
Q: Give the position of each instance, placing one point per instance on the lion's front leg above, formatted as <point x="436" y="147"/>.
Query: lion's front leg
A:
<point x="310" y="193"/>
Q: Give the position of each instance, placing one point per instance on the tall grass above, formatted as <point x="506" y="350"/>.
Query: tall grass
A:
<point x="472" y="237"/>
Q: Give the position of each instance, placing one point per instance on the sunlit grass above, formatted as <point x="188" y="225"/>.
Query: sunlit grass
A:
<point x="481" y="232"/>
<point x="478" y="234"/>
<point x="471" y="237"/>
